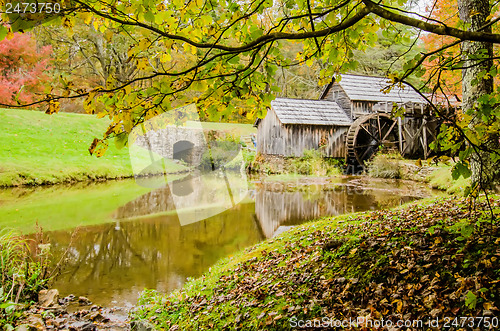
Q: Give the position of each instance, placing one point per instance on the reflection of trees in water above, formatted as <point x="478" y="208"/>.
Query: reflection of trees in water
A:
<point x="280" y="208"/>
<point x="187" y="193"/>
<point x="153" y="202"/>
<point x="151" y="252"/>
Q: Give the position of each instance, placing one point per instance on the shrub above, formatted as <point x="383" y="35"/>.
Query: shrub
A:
<point x="384" y="166"/>
<point x="22" y="276"/>
<point x="313" y="163"/>
<point x="223" y="148"/>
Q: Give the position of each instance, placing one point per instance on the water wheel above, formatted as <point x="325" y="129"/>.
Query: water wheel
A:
<point x="368" y="134"/>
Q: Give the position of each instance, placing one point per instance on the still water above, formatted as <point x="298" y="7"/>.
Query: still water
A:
<point x="117" y="238"/>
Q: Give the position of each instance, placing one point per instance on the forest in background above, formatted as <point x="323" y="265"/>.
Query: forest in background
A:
<point x="51" y="61"/>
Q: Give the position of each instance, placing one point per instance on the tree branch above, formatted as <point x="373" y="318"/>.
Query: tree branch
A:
<point x="432" y="28"/>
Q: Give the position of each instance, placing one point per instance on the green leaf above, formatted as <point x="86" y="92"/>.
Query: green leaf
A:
<point x="467" y="230"/>
<point x="470" y="300"/>
<point x="460" y="169"/>
<point x="3" y="32"/>
<point x="121" y="140"/>
<point x="149" y="16"/>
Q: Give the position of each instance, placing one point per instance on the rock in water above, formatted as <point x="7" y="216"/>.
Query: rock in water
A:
<point x="26" y="327"/>
<point x="84" y="301"/>
<point x="33" y="322"/>
<point x="83" y="326"/>
<point x="141" y="326"/>
<point x="48" y="298"/>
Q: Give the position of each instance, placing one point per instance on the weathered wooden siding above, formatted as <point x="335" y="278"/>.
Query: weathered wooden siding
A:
<point x="336" y="93"/>
<point x="361" y="108"/>
<point x="269" y="135"/>
<point x="292" y="139"/>
<point x="298" y="138"/>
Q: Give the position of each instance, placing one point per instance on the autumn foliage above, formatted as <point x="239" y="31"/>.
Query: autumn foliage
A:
<point x="450" y="80"/>
<point x="23" y="68"/>
<point x="444" y="70"/>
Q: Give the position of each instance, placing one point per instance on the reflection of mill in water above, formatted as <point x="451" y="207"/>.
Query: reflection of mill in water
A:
<point x="277" y="209"/>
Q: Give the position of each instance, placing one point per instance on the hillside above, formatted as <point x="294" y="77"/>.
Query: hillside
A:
<point x="424" y="264"/>
<point x="40" y="149"/>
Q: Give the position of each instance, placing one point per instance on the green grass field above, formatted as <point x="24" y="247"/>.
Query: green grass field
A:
<point x="40" y="149"/>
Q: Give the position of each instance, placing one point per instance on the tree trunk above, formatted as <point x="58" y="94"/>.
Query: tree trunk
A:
<point x="475" y="13"/>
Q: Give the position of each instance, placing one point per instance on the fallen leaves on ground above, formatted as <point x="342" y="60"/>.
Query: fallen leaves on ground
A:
<point x="419" y="262"/>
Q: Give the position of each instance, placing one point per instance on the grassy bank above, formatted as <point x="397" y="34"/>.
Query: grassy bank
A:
<point x="438" y="176"/>
<point x="432" y="259"/>
<point x="41" y="149"/>
<point x="441" y="179"/>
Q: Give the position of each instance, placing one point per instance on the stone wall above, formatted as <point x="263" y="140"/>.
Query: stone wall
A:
<point x="162" y="142"/>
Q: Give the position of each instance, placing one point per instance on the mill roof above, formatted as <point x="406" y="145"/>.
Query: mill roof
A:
<point x="368" y="88"/>
<point x="312" y="112"/>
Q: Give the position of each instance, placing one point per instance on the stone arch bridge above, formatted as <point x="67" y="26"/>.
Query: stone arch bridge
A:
<point x="176" y="143"/>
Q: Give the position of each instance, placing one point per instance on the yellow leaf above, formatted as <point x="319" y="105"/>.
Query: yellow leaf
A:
<point x="88" y="104"/>
<point x="166" y="57"/>
<point x="54" y="107"/>
<point x="128" y="89"/>
<point x="98" y="147"/>
<point x="142" y="64"/>
<point x="108" y="35"/>
<point x="131" y="52"/>
<point x="67" y="23"/>
<point x="87" y="18"/>
<point x="10" y="35"/>
<point x="144" y="44"/>
<point x="399" y="305"/>
<point x="487" y="305"/>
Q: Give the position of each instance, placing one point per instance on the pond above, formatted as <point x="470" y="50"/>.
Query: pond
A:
<point x="115" y="239"/>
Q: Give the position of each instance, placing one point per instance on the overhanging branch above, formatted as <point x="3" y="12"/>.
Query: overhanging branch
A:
<point x="432" y="28"/>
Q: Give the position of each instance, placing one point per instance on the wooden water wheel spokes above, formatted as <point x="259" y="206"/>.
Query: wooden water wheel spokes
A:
<point x="368" y="134"/>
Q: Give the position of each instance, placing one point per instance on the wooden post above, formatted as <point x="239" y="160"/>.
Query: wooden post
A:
<point x="400" y="132"/>
<point x="425" y="137"/>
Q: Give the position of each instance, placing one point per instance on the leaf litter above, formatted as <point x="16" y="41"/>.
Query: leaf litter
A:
<point x="426" y="260"/>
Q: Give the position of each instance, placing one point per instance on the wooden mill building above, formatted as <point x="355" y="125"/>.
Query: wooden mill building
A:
<point x="292" y="126"/>
<point x="351" y="120"/>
